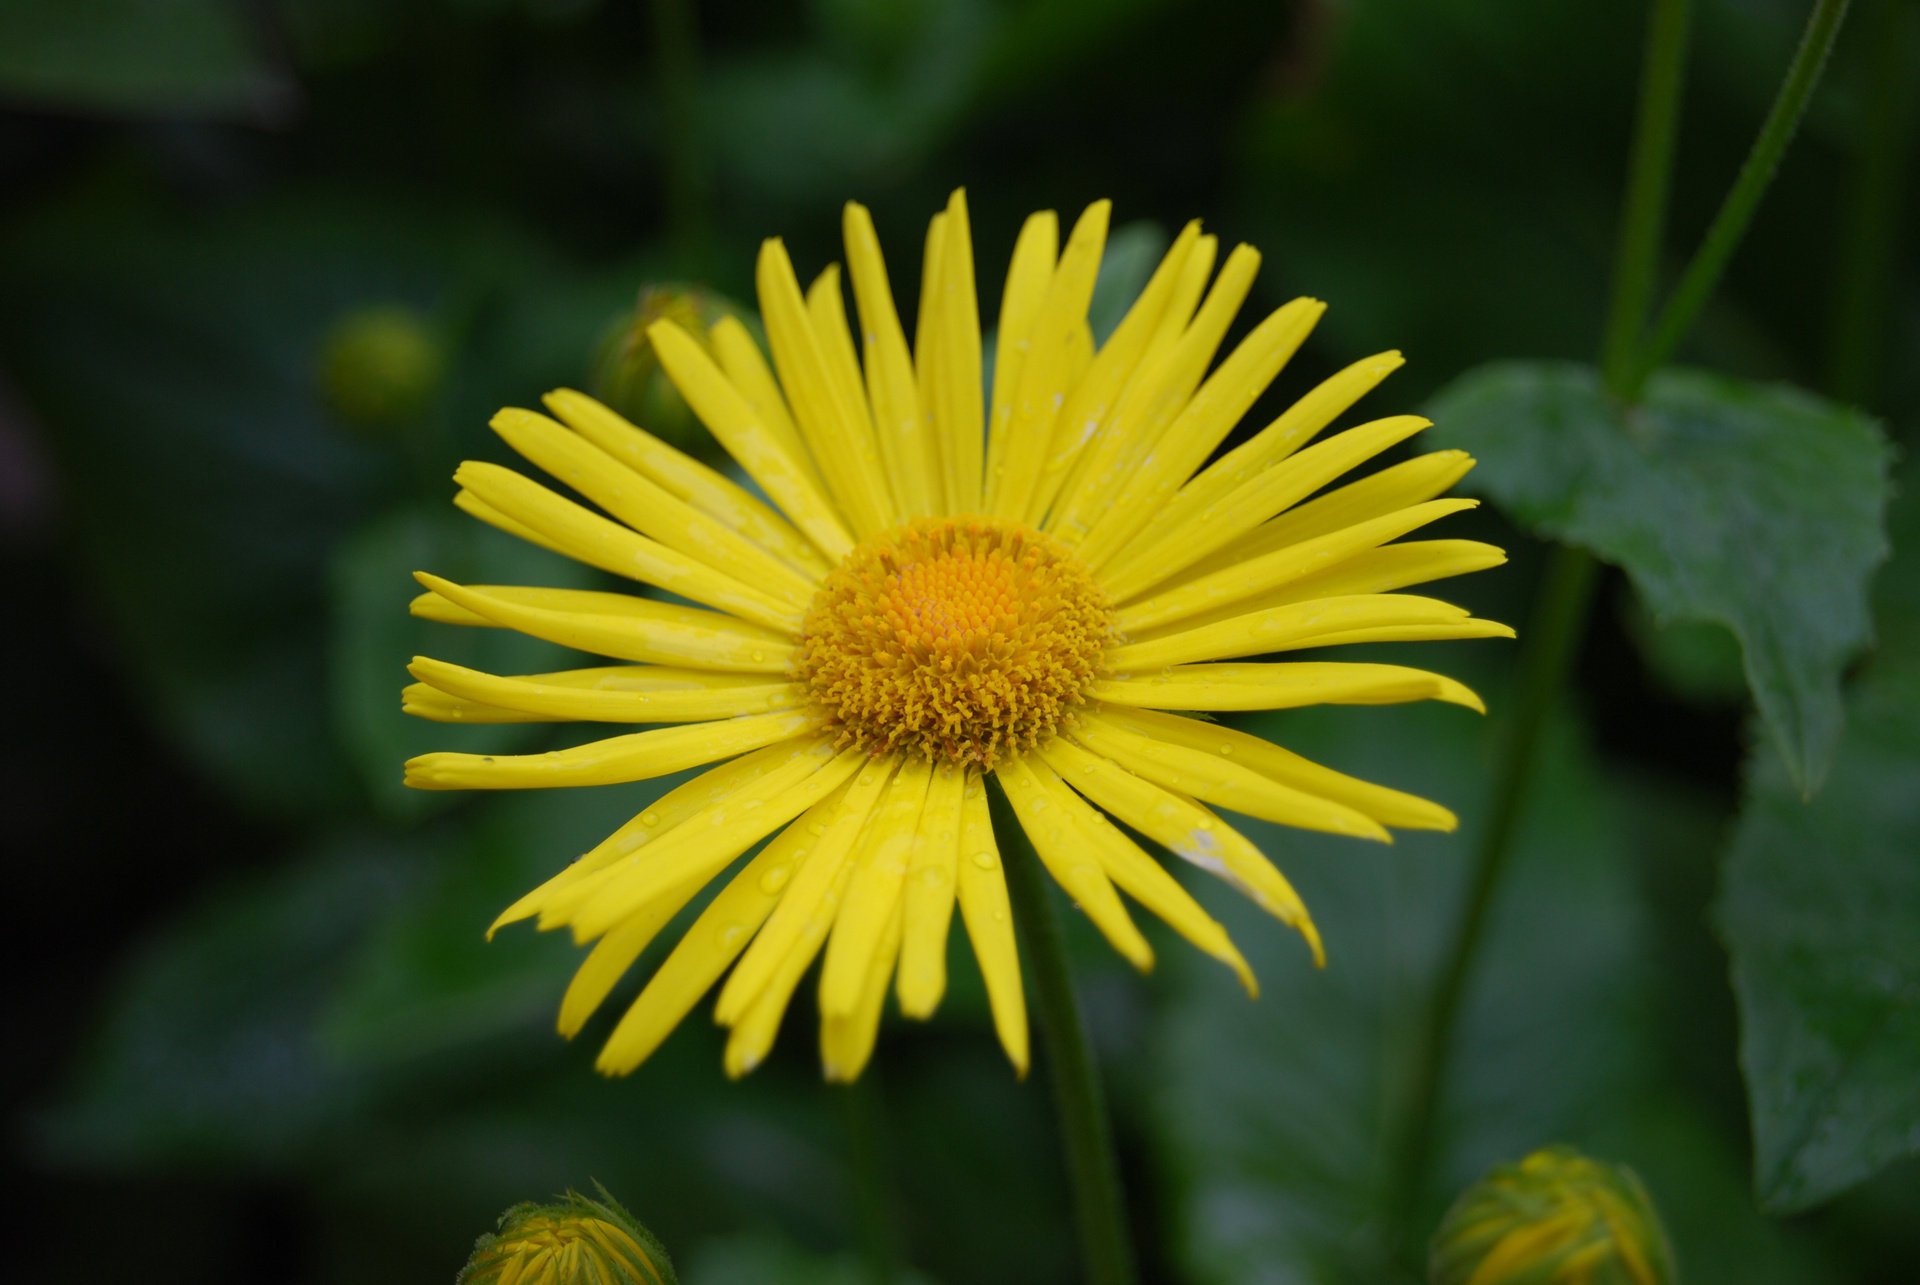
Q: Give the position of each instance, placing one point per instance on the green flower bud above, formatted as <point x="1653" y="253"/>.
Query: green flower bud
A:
<point x="627" y="375"/>
<point x="1556" y="1218"/>
<point x="573" y="1241"/>
<point x="381" y="367"/>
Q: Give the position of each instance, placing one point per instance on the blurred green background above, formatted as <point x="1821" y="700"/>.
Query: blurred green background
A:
<point x="265" y="271"/>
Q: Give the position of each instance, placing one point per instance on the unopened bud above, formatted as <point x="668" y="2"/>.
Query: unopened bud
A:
<point x="1556" y="1218"/>
<point x="573" y="1241"/>
<point x="627" y="374"/>
<point x="381" y="367"/>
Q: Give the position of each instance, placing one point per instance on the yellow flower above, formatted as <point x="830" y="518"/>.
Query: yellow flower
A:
<point x="574" y="1241"/>
<point x="949" y="581"/>
<point x="1556" y="1218"/>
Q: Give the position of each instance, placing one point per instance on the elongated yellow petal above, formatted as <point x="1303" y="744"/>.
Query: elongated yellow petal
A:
<point x="615" y="696"/>
<point x="473" y="506"/>
<point x="1253" y="580"/>
<point x="1289" y="685"/>
<point x="907" y="449"/>
<point x="835" y="433"/>
<point x="1298" y="425"/>
<point x="959" y="417"/>
<point x="1214" y="779"/>
<point x="982" y="888"/>
<point x="599" y="542"/>
<point x="1387" y="806"/>
<point x="714" y="941"/>
<point x="1397" y="566"/>
<point x="639" y="756"/>
<point x="812" y="897"/>
<point x="827" y="313"/>
<point x="1168" y="546"/>
<point x="1068" y="858"/>
<point x="874" y="895"/>
<point x="1187" y="829"/>
<point x="1035" y="253"/>
<point x="847" y="1039"/>
<point x="1201" y="426"/>
<point x="666" y="814"/>
<point x="648" y="507"/>
<point x="1095" y="396"/>
<point x="756" y="1026"/>
<point x="707" y="490"/>
<point x="1165" y="382"/>
<point x="1318" y="622"/>
<point x="929" y="896"/>
<point x="613" y="955"/>
<point x="616" y="625"/>
<point x="696" y="850"/>
<point x="1399" y="486"/>
<point x="781" y="468"/>
<point x="1044" y="373"/>
<point x="1139" y="875"/>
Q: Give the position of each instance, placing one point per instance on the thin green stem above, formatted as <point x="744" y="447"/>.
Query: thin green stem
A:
<point x="676" y="69"/>
<point x="1098" y="1206"/>
<point x="1553" y="637"/>
<point x="1857" y="343"/>
<point x="1643" y="213"/>
<point x="1703" y="274"/>
<point x="872" y="1190"/>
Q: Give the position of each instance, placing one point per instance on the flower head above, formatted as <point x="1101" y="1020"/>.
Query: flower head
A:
<point x="572" y="1241"/>
<point x="1555" y="1218"/>
<point x="950" y="581"/>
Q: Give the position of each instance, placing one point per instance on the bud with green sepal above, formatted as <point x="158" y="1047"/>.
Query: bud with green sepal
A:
<point x="627" y="375"/>
<point x="572" y="1241"/>
<point x="1555" y="1218"/>
<point x="381" y="367"/>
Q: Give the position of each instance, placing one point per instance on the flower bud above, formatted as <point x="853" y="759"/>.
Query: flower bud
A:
<point x="573" y="1241"/>
<point x="381" y="367"/>
<point x="1556" y="1218"/>
<point x="627" y="374"/>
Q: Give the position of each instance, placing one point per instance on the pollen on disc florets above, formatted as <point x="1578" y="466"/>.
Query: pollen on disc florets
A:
<point x="963" y="639"/>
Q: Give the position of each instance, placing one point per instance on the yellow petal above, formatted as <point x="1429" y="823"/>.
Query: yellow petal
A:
<point x="617" y="625"/>
<point x="1389" y="807"/>
<point x="847" y="1039"/>
<point x="616" y="696"/>
<point x="875" y="892"/>
<point x="1187" y="829"/>
<point x="959" y="418"/>
<point x="1065" y="853"/>
<point x="1215" y="779"/>
<point x="598" y="542"/>
<point x="648" y="507"/>
<point x="906" y="444"/>
<point x="638" y="756"/>
<point x="1320" y="622"/>
<point x="1034" y="254"/>
<point x="930" y="893"/>
<point x="780" y="467"/>
<point x="1397" y="566"/>
<point x="1289" y="685"/>
<point x="989" y="919"/>
<point x="755" y="1027"/>
<point x="835" y="833"/>
<point x="707" y="490"/>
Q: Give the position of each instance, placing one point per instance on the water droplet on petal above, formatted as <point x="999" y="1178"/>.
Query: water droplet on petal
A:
<point x="985" y="860"/>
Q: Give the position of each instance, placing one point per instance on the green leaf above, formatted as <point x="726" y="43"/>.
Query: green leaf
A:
<point x="1756" y="507"/>
<point x="182" y="57"/>
<point x="1820" y="909"/>
<point x="1275" y="1118"/>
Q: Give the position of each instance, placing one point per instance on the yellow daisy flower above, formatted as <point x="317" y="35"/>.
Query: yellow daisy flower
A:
<point x="949" y="581"/>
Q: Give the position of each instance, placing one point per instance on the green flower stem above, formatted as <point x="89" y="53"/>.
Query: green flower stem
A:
<point x="1097" y="1203"/>
<point x="1871" y="228"/>
<point x="1644" y="213"/>
<point x="676" y="69"/>
<point x="873" y="1190"/>
<point x="1553" y="642"/>
<point x="1703" y="274"/>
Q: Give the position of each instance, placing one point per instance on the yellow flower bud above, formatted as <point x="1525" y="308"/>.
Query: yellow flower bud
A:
<point x="381" y="367"/>
<point x="627" y="374"/>
<point x="573" y="1241"/>
<point x="1556" y="1218"/>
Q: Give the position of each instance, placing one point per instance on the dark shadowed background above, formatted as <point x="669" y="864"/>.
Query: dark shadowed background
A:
<point x="267" y="268"/>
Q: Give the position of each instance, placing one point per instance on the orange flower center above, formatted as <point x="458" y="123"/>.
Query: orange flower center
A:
<point x="963" y="639"/>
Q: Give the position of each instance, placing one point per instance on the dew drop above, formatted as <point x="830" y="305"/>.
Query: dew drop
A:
<point x="985" y="860"/>
<point x="775" y="879"/>
<point x="649" y="818"/>
<point x="729" y="935"/>
<point x="759" y="655"/>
